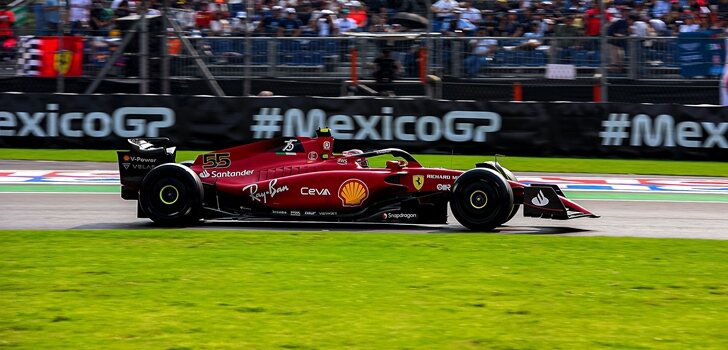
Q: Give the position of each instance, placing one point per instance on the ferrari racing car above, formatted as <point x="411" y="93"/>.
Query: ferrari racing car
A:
<point x="301" y="178"/>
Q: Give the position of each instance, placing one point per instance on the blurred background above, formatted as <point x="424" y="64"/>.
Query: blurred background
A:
<point x="658" y="51"/>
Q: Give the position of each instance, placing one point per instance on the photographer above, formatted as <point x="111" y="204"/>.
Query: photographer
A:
<point x="386" y="69"/>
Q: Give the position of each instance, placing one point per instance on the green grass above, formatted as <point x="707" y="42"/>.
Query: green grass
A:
<point x="572" y="165"/>
<point x="224" y="289"/>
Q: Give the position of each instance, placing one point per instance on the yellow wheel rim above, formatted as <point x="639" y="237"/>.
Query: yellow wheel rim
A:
<point x="175" y="197"/>
<point x="478" y="199"/>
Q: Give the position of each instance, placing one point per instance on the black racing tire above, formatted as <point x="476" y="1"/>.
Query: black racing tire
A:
<point x="481" y="199"/>
<point x="171" y="195"/>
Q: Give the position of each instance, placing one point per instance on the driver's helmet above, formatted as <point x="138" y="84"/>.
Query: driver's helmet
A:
<point x="363" y="162"/>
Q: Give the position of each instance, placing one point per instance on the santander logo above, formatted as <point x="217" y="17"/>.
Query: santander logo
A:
<point x="540" y="200"/>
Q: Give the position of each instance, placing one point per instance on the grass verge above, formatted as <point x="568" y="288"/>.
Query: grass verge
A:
<point x="571" y="165"/>
<point x="177" y="289"/>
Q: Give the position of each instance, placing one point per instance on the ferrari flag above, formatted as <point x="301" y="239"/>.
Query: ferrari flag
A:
<point x="51" y="56"/>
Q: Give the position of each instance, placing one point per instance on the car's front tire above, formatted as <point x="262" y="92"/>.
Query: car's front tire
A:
<point x="481" y="199"/>
<point x="171" y="195"/>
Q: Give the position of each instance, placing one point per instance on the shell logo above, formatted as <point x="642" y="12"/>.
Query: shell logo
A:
<point x="126" y="158"/>
<point x="353" y="192"/>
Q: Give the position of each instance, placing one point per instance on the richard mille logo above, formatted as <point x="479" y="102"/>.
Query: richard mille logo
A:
<point x="540" y="200"/>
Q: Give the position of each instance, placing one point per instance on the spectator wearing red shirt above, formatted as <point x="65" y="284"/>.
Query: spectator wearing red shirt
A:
<point x="203" y="17"/>
<point x="7" y="37"/>
<point x="358" y="14"/>
<point x="593" y="21"/>
<point x="7" y="20"/>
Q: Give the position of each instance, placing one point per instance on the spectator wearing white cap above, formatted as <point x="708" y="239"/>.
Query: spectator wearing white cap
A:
<point x="238" y="23"/>
<point x="344" y="23"/>
<point x="269" y="24"/>
<point x="325" y="24"/>
<point x="290" y="25"/>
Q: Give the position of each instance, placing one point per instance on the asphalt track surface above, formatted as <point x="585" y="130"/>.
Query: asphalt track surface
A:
<point x="658" y="219"/>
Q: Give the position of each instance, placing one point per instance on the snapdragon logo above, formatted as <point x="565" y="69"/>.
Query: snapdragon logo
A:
<point x="455" y="126"/>
<point x="124" y="122"/>
<point x="399" y="216"/>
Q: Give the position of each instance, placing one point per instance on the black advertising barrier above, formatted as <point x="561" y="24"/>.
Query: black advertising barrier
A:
<point x="417" y="125"/>
<point x="659" y="131"/>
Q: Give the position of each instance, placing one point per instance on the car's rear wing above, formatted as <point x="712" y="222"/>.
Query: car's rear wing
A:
<point x="145" y="154"/>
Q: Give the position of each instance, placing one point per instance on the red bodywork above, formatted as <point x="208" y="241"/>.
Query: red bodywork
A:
<point x="301" y="177"/>
<point x="304" y="174"/>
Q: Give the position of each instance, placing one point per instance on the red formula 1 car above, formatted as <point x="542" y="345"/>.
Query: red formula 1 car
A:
<point x="302" y="179"/>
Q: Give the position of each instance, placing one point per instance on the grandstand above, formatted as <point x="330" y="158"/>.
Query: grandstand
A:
<point x="332" y="41"/>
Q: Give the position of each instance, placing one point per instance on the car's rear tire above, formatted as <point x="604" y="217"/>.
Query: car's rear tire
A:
<point x="481" y="199"/>
<point x="171" y="195"/>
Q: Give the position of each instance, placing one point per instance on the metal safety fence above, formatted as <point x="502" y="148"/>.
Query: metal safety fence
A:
<point x="350" y="58"/>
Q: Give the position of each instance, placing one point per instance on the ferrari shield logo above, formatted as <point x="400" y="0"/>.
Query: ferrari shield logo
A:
<point x="62" y="61"/>
<point x="418" y="181"/>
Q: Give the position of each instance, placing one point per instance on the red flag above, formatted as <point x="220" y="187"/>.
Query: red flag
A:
<point x="56" y="59"/>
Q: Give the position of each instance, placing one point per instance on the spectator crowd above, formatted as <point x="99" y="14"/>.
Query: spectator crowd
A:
<point x="495" y="18"/>
<point x="527" y="22"/>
